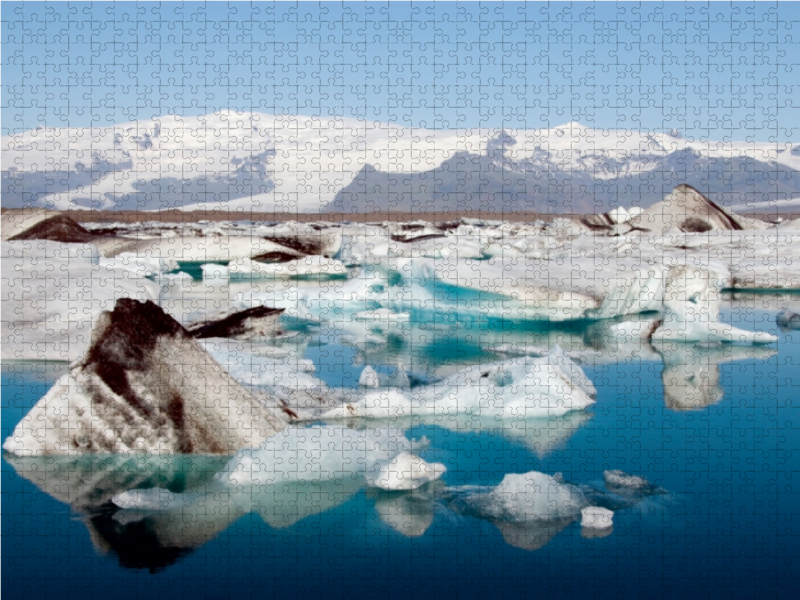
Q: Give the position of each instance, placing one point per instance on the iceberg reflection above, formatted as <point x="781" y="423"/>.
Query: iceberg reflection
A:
<point x="152" y="511"/>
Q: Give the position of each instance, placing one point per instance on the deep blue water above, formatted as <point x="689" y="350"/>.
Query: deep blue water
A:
<point x="728" y="526"/>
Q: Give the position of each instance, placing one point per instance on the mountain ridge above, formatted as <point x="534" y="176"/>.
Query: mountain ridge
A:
<point x="268" y="163"/>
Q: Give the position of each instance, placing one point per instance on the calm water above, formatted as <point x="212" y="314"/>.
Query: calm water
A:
<point x="716" y="428"/>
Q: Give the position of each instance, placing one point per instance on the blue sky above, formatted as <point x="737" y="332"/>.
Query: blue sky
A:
<point x="713" y="71"/>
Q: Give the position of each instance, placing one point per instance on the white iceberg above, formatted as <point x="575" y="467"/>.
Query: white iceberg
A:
<point x="143" y="386"/>
<point x="530" y="496"/>
<point x="405" y="471"/>
<point x="214" y="272"/>
<point x="691" y="311"/>
<point x="518" y="388"/>
<point x="369" y="378"/>
<point x="596" y="517"/>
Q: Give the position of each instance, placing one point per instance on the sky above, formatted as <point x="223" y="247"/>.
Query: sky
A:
<point x="718" y="71"/>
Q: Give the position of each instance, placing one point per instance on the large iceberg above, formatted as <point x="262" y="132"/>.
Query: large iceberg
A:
<point x="518" y="388"/>
<point x="144" y="385"/>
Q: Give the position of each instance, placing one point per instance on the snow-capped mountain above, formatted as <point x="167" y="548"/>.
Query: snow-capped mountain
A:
<point x="261" y="162"/>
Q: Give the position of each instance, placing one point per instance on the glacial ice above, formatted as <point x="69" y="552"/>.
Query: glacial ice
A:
<point x="620" y="481"/>
<point x="373" y="286"/>
<point x="144" y="385"/>
<point x="369" y="378"/>
<point x="189" y="248"/>
<point x="687" y="210"/>
<point x="530" y="496"/>
<point x="518" y="388"/>
<point x="405" y="471"/>
<point x="259" y="322"/>
<point x="597" y="517"/>
<point x="691" y="311"/>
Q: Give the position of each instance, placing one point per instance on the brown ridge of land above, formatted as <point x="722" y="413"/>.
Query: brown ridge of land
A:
<point x="179" y="216"/>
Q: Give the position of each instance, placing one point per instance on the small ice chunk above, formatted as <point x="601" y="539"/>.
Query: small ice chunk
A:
<point x="787" y="320"/>
<point x="532" y="496"/>
<point x="404" y="472"/>
<point x="620" y="480"/>
<point x="369" y="378"/>
<point x="596" y="517"/>
<point x="214" y="271"/>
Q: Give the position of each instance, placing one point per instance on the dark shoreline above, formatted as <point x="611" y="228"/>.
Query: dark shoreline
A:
<point x="178" y="216"/>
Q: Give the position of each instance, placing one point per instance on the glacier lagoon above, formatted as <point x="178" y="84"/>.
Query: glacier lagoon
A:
<point x="717" y="515"/>
<point x="601" y="406"/>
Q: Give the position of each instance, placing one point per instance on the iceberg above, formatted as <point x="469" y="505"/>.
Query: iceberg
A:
<point x="190" y="248"/>
<point x="691" y="311"/>
<point x="405" y="471"/>
<point x="518" y="388"/>
<point x="144" y="385"/>
<point x="530" y="496"/>
<point x="687" y="210"/>
<point x="319" y="239"/>
<point x="39" y="224"/>
<point x="596" y="517"/>
<point x="788" y="320"/>
<point x="369" y="378"/>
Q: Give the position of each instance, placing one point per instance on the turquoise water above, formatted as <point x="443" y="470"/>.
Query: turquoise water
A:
<point x="715" y="428"/>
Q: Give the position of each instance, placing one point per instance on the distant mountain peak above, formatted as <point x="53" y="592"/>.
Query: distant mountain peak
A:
<point x="262" y="162"/>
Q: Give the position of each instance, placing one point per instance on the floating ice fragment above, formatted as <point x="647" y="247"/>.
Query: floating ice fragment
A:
<point x="531" y="496"/>
<point x="214" y="272"/>
<point x="404" y="472"/>
<point x="617" y="480"/>
<point x="691" y="311"/>
<point x="144" y="385"/>
<point x="520" y="387"/>
<point x="369" y="378"/>
<point x="596" y="517"/>
<point x="788" y="320"/>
